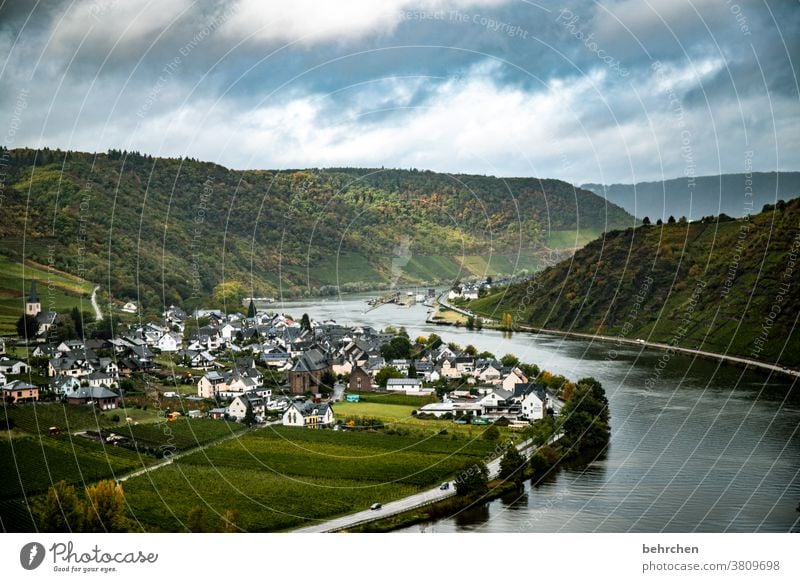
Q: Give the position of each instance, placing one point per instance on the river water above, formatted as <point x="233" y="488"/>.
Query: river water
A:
<point x="710" y="448"/>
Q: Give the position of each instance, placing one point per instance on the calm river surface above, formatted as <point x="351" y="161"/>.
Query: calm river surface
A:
<point x="712" y="448"/>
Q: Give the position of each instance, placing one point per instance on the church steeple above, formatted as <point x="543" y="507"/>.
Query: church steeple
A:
<point x="33" y="306"/>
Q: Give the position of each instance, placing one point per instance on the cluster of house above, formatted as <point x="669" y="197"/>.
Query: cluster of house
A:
<point x="311" y="354"/>
<point x="522" y="404"/>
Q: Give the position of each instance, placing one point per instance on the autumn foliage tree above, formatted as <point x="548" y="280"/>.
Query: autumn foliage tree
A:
<point x="105" y="508"/>
<point x="61" y="510"/>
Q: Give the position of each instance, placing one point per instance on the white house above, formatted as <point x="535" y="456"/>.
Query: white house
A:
<point x="3" y="379"/>
<point x="534" y="403"/>
<point x="9" y="366"/>
<point x="308" y="414"/>
<point x="238" y="406"/>
<point x="169" y="342"/>
<point x="403" y="384"/>
<point x="65" y="385"/>
<point x="98" y="379"/>
<point x="130" y="307"/>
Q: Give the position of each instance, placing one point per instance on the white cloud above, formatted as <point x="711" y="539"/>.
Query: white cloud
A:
<point x="312" y="21"/>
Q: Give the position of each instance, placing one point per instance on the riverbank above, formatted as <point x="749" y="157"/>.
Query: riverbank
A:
<point x="489" y="323"/>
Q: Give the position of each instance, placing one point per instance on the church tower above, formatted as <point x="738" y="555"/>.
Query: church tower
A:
<point x="33" y="306"/>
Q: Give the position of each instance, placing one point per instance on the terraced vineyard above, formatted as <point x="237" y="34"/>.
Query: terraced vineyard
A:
<point x="279" y="478"/>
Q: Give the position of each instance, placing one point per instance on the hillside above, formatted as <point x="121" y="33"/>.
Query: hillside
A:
<point x="170" y="230"/>
<point x="706" y="285"/>
<point x="709" y="195"/>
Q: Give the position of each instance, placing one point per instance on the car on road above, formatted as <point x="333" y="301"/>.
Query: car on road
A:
<point x="444" y="486"/>
<point x="375" y="506"/>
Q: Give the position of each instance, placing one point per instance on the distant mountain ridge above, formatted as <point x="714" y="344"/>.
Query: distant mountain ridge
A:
<point x="729" y="287"/>
<point x="163" y="230"/>
<point x="702" y="196"/>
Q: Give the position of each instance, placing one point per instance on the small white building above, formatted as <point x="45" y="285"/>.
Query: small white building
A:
<point x="308" y="414"/>
<point x="403" y="384"/>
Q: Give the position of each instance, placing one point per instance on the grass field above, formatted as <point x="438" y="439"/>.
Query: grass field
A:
<point x="57" y="291"/>
<point x="398" y="416"/>
<point x="280" y="478"/>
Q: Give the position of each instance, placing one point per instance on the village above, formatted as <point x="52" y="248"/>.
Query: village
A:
<point x="265" y="367"/>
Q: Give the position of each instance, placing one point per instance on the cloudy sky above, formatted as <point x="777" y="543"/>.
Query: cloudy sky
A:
<point x="614" y="91"/>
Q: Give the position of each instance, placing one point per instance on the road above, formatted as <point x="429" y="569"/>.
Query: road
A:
<point x="98" y="315"/>
<point x="401" y="505"/>
<point x="178" y="456"/>
<point x="634" y="342"/>
<point x="660" y="346"/>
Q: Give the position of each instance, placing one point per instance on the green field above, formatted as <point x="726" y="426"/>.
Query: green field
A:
<point x="57" y="291"/>
<point x="37" y="418"/>
<point x="181" y="434"/>
<point x="432" y="268"/>
<point x="31" y="465"/>
<point x="280" y="478"/>
<point x="396" y="415"/>
<point x="559" y="239"/>
<point x="344" y="268"/>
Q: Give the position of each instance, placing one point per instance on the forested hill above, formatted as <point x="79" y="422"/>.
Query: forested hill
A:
<point x="167" y="230"/>
<point x="710" y="285"/>
<point x="731" y="194"/>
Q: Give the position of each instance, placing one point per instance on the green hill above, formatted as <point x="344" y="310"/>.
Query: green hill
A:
<point x="709" y="285"/>
<point x="169" y="230"/>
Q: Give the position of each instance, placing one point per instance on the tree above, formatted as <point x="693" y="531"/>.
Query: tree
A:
<point x="434" y="341"/>
<point x="470" y="322"/>
<point x="197" y="522"/>
<point x="249" y="416"/>
<point x="472" y="480"/>
<point x="659" y="222"/>
<point x="229" y="292"/>
<point x="492" y="433"/>
<point x="77" y="320"/>
<point x="305" y="322"/>
<point x="512" y="464"/>
<point x="62" y="510"/>
<point x="646" y="221"/>
<point x="412" y="370"/>
<point x="398" y="348"/>
<point x="509" y="360"/>
<point x="479" y="323"/>
<point x="251" y="310"/>
<point x="671" y="220"/>
<point x="507" y="322"/>
<point x="489" y="280"/>
<point x="105" y="508"/>
<point x="471" y="350"/>
<point x="385" y="373"/>
<point x="27" y="326"/>
<point x="530" y="370"/>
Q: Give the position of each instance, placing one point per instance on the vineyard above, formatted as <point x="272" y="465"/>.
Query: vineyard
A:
<point x="279" y="478"/>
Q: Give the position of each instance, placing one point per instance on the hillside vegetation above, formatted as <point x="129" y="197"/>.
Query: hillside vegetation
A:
<point x="727" y="287"/>
<point x="167" y="230"/>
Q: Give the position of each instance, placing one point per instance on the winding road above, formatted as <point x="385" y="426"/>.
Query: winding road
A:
<point x="635" y="342"/>
<point x="98" y="315"/>
<point x="404" y="504"/>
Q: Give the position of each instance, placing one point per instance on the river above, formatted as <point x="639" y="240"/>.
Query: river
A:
<point x="711" y="447"/>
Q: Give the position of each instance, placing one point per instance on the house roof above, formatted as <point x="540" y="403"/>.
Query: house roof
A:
<point x="307" y="408"/>
<point x="402" y="381"/>
<point x="92" y="393"/>
<point x="311" y="361"/>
